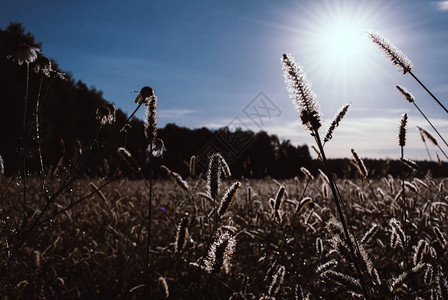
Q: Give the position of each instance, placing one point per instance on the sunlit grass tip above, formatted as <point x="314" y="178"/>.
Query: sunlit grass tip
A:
<point x="402" y="130"/>
<point x="43" y="66"/>
<point x="151" y="119"/>
<point x="220" y="254"/>
<point x="300" y="93"/>
<point x="145" y="95"/>
<point x="24" y="53"/>
<point x="335" y="123"/>
<point x="181" y="236"/>
<point x="360" y="164"/>
<point x="407" y="95"/>
<point x="424" y="134"/>
<point x="228" y="198"/>
<point x="398" y="58"/>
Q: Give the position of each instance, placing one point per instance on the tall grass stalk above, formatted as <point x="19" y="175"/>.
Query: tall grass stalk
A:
<point x="301" y="94"/>
<point x="39" y="142"/>
<point x="24" y="54"/>
<point x="147" y="95"/>
<point x="23" y="140"/>
<point x="402" y="143"/>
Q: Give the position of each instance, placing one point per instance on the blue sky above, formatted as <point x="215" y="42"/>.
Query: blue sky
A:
<point x="208" y="60"/>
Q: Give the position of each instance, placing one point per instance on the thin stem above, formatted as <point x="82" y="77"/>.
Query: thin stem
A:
<point x="304" y="189"/>
<point x="337" y="201"/>
<point x="133" y="113"/>
<point x="403" y="212"/>
<point x="427" y="150"/>
<point x="59" y="192"/>
<point x="23" y="137"/>
<point x="412" y="74"/>
<point x="442" y="151"/>
<point x="38" y="221"/>
<point x="431" y="124"/>
<point x="80" y="200"/>
<point x="301" y="197"/>
<point x="148" y="246"/>
<point x="39" y="147"/>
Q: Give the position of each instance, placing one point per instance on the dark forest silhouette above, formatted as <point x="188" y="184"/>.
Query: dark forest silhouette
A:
<point x="67" y="125"/>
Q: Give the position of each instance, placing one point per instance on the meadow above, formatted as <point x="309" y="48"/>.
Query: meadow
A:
<point x="96" y="249"/>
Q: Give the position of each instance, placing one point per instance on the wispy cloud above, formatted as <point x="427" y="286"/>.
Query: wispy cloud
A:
<point x="442" y="5"/>
<point x="174" y="113"/>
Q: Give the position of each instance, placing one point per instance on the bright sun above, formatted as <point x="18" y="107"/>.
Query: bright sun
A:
<point x="340" y="44"/>
<point x="343" y="40"/>
<point x="333" y="44"/>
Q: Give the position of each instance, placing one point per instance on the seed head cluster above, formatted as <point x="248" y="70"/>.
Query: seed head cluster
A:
<point x="300" y="93"/>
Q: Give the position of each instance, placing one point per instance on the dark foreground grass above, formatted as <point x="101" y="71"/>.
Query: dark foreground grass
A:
<point x="97" y="249"/>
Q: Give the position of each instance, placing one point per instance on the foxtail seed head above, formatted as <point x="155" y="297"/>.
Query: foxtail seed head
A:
<point x="401" y="61"/>
<point x="425" y="134"/>
<point x="300" y="93"/>
<point x="402" y="130"/>
<point x="228" y="198"/>
<point x="145" y="95"/>
<point x="151" y="119"/>
<point x="335" y="123"/>
<point x="407" y="95"/>
<point x="220" y="254"/>
<point x="360" y="164"/>
<point x="181" y="236"/>
<point x="24" y="54"/>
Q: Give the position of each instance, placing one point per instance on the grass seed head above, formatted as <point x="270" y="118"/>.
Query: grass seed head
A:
<point x="307" y="173"/>
<point x="349" y="282"/>
<point x="192" y="165"/>
<point x="228" y="198"/>
<point x="401" y="61"/>
<point x="360" y="164"/>
<point x="181" y="236"/>
<point x="158" y="148"/>
<point x="369" y="234"/>
<point x="112" y="114"/>
<point x="277" y="281"/>
<point x="420" y="251"/>
<point x="145" y="95"/>
<point x="24" y="54"/>
<point x="43" y="66"/>
<point x="402" y="130"/>
<point x="279" y="197"/>
<point x="335" y="123"/>
<point x="102" y="115"/>
<point x="214" y="175"/>
<point x="300" y="93"/>
<point x="151" y="119"/>
<point x="425" y="134"/>
<point x="178" y="179"/>
<point x="163" y="287"/>
<point x="407" y="95"/>
<point x="220" y="254"/>
<point x="439" y="235"/>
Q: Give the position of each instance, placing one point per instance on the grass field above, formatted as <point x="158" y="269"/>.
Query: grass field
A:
<point x="97" y="249"/>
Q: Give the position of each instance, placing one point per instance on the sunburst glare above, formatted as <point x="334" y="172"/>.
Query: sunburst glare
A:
<point x="334" y="45"/>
